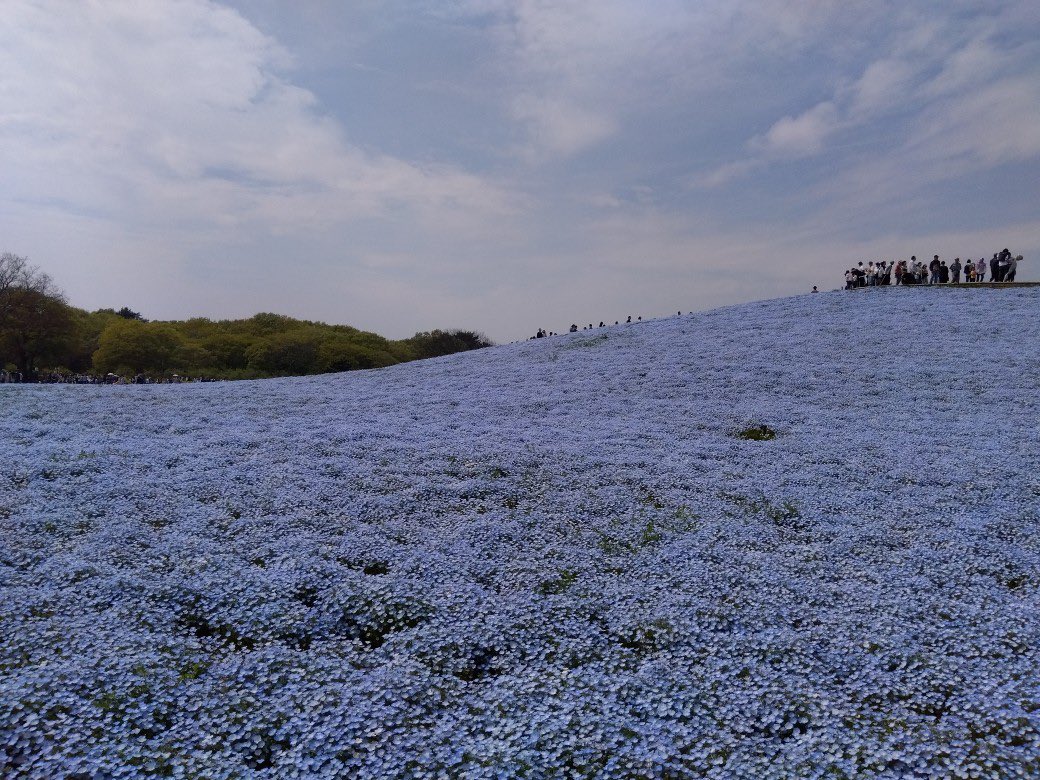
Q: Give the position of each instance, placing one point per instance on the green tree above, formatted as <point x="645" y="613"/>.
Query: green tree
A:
<point x="228" y="350"/>
<point x="436" y="343"/>
<point x="17" y="276"/>
<point x="129" y="314"/>
<point x="290" y="354"/>
<point x="192" y="358"/>
<point x="38" y="328"/>
<point x="88" y="328"/>
<point x="340" y="353"/>
<point x="266" y="324"/>
<point x="135" y="347"/>
<point x="197" y="328"/>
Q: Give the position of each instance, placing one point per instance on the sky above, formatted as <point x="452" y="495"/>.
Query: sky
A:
<point x="506" y="165"/>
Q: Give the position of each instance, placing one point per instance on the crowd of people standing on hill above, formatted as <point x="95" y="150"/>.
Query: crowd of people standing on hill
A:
<point x="1002" y="268"/>
<point x="68" y="378"/>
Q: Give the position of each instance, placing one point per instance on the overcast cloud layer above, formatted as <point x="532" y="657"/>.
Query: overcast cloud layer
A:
<point x="507" y="165"/>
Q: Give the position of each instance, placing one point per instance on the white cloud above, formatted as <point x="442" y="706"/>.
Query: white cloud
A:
<point x="797" y="136"/>
<point x="560" y="127"/>
<point x="580" y="68"/>
<point x="884" y="84"/>
<point x="965" y="92"/>
<point x="182" y="112"/>
<point x="725" y="173"/>
<point x="996" y="124"/>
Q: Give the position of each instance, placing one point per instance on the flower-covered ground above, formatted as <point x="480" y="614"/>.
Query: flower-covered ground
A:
<point x="551" y="559"/>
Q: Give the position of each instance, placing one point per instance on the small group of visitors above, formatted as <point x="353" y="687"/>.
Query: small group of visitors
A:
<point x="542" y="333"/>
<point x="574" y="328"/>
<point x="1002" y="268"/>
<point x="57" y="378"/>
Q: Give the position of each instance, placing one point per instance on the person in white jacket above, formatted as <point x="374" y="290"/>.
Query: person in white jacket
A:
<point x="1012" y="267"/>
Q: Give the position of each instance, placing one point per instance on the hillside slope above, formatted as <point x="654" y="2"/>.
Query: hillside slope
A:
<point x="549" y="559"/>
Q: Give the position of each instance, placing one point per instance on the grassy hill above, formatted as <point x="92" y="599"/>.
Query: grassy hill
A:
<point x="557" y="558"/>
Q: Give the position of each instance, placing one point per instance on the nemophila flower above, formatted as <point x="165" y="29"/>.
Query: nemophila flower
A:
<point x="546" y="559"/>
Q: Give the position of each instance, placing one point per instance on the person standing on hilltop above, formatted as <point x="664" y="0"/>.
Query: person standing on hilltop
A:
<point x="955" y="270"/>
<point x="994" y="269"/>
<point x="1012" y="267"/>
<point x="1003" y="263"/>
<point x="933" y="268"/>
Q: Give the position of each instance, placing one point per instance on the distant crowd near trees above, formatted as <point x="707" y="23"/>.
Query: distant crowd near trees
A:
<point x="41" y="336"/>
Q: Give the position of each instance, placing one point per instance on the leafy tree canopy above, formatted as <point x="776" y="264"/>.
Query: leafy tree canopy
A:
<point x="39" y="330"/>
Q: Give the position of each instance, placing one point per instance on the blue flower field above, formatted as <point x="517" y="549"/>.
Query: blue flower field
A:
<point x="552" y="559"/>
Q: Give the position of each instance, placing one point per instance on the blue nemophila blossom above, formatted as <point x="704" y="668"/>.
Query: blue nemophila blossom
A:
<point x="552" y="559"/>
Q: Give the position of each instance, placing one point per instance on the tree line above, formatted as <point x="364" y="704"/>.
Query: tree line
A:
<point x="41" y="334"/>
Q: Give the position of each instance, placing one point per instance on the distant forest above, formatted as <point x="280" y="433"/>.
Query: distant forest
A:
<point x="42" y="336"/>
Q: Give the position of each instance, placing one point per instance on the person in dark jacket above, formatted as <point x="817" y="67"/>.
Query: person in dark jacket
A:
<point x="933" y="268"/>
<point x="1003" y="264"/>
<point x="994" y="269"/>
<point x="955" y="270"/>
